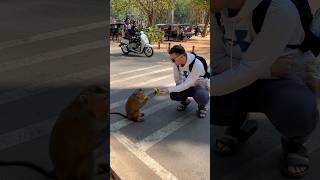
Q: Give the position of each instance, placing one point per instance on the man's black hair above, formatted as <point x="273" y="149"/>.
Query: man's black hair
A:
<point x="177" y="49"/>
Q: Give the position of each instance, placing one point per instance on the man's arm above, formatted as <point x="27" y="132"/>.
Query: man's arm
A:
<point x="196" y="72"/>
<point x="279" y="26"/>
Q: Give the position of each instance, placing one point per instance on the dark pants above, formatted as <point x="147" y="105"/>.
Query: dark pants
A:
<point x="198" y="93"/>
<point x="291" y="107"/>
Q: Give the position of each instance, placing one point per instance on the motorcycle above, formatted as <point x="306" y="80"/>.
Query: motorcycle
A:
<point x="137" y="44"/>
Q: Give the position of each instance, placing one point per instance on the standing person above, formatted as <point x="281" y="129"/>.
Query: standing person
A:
<point x="182" y="33"/>
<point x="178" y="34"/>
<point x="169" y="31"/>
<point x="251" y="73"/>
<point x="133" y="28"/>
<point x="126" y="28"/>
<point x="196" y="31"/>
<point x="118" y="32"/>
<point x="190" y="82"/>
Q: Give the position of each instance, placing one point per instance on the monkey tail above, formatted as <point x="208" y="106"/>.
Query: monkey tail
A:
<point x="49" y="175"/>
<point x="119" y="114"/>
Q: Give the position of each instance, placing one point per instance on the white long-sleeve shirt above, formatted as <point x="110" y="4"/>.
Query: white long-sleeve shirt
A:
<point x="184" y="78"/>
<point x="240" y="56"/>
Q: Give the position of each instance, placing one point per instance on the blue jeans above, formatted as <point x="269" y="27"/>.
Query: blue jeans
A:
<point x="198" y="93"/>
<point x="291" y="107"/>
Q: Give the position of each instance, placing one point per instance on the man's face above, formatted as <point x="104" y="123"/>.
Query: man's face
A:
<point x="176" y="58"/>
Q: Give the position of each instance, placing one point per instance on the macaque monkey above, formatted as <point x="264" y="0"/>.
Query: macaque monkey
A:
<point x="79" y="130"/>
<point x="135" y="102"/>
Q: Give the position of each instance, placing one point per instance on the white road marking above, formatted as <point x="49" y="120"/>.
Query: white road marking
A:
<point x="52" y="34"/>
<point x="132" y="71"/>
<point x="117" y="104"/>
<point x="139" y="75"/>
<point x="124" y="122"/>
<point x="51" y="55"/>
<point x="26" y="134"/>
<point x="144" y="157"/>
<point x="142" y="84"/>
<point x="162" y="133"/>
<point x="37" y="88"/>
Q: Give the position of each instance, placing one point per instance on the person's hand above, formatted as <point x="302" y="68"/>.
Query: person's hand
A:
<point x="163" y="92"/>
<point x="281" y="66"/>
<point x="202" y="82"/>
<point x="198" y="82"/>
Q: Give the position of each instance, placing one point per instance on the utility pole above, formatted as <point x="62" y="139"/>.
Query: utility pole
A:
<point x="153" y="13"/>
<point x="170" y="15"/>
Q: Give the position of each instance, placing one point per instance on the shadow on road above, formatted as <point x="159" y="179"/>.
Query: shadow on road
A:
<point x="260" y="157"/>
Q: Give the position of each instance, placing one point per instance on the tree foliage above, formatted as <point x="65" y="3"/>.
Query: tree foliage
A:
<point x="119" y="8"/>
<point x="146" y="8"/>
<point x="186" y="11"/>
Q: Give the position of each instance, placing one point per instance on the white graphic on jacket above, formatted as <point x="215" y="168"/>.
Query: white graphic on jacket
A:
<point x="183" y="77"/>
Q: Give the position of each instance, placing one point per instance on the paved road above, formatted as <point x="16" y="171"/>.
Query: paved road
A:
<point x="169" y="144"/>
<point x="260" y="158"/>
<point x="49" y="51"/>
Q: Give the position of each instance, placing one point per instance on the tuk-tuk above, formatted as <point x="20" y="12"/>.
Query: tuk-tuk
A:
<point x="188" y="30"/>
<point x="176" y="31"/>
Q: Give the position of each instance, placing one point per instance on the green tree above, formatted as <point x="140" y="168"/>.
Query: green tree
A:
<point x="153" y="8"/>
<point x="201" y="10"/>
<point x="149" y="9"/>
<point x="119" y="8"/>
<point x="181" y="11"/>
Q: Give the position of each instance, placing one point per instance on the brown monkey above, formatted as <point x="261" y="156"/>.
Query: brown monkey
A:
<point x="135" y="102"/>
<point x="80" y="128"/>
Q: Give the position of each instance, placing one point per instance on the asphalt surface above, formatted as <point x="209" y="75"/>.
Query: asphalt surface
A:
<point x="261" y="156"/>
<point x="168" y="144"/>
<point x="49" y="51"/>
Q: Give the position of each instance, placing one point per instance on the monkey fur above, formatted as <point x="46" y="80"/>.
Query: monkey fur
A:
<point x="79" y="130"/>
<point x="135" y="102"/>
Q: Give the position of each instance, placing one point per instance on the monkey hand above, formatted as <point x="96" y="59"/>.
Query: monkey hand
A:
<point x="156" y="90"/>
<point x="163" y="91"/>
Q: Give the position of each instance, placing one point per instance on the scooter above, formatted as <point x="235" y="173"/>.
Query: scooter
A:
<point x="137" y="44"/>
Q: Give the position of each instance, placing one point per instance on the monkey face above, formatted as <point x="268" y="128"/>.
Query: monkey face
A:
<point x="95" y="98"/>
<point x="139" y="93"/>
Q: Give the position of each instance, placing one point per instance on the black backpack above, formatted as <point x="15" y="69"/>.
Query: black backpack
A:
<point x="203" y="61"/>
<point x="310" y="42"/>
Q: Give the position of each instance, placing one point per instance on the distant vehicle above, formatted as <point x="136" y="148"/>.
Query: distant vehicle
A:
<point x="161" y="27"/>
<point x="173" y="31"/>
<point x="137" y="44"/>
<point x="188" y="30"/>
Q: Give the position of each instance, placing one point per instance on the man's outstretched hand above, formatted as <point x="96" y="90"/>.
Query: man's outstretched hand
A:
<point x="163" y="92"/>
<point x="281" y="67"/>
